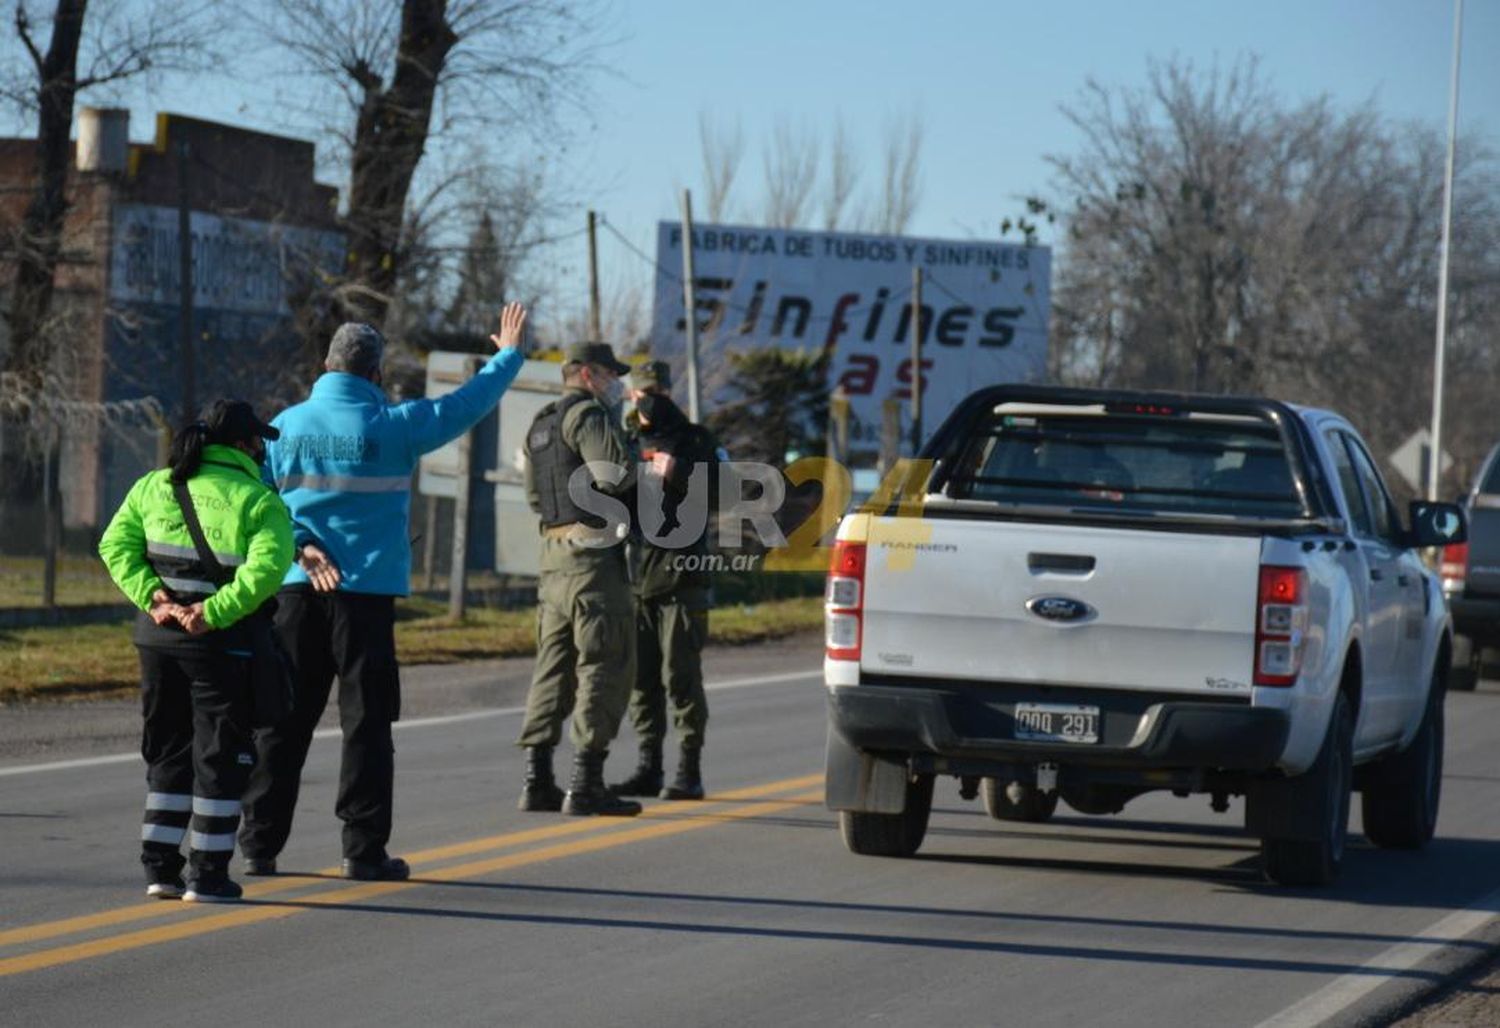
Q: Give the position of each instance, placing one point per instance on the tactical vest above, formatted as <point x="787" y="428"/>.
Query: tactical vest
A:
<point x="553" y="462"/>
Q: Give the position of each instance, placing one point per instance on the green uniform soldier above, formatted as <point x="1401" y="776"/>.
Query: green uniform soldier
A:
<point x="585" y="611"/>
<point x="672" y="595"/>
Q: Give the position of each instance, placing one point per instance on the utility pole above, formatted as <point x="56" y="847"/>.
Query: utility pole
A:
<point x="1435" y="462"/>
<point x="458" y="567"/>
<point x="595" y="332"/>
<point x="689" y="305"/>
<point x="185" y="293"/>
<point x="429" y="542"/>
<point x="52" y="518"/>
<point x="838" y="425"/>
<point x="916" y="361"/>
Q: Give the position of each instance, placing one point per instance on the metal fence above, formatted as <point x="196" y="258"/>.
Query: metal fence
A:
<point x="66" y="467"/>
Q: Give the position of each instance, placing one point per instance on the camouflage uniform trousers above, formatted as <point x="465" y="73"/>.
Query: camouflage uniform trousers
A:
<point x="670" y="634"/>
<point x="585" y="648"/>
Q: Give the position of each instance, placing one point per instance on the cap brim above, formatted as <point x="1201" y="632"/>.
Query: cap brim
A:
<point x="268" y="432"/>
<point x="618" y="368"/>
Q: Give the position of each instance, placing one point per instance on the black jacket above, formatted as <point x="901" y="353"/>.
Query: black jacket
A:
<point x="669" y="431"/>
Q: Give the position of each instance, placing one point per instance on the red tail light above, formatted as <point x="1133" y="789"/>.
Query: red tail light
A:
<point x="1280" y="623"/>
<point x="844" y="600"/>
<point x="1454" y="567"/>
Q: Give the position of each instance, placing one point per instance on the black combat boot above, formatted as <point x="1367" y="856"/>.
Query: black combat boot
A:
<point x="540" y="790"/>
<point x="587" y="795"/>
<point x="648" y="777"/>
<point x="688" y="785"/>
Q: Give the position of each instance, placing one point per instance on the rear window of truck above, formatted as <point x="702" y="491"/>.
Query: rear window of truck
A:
<point x="1491" y="483"/>
<point x="1180" y="463"/>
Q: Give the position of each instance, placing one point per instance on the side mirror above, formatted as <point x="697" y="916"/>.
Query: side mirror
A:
<point x="1437" y="524"/>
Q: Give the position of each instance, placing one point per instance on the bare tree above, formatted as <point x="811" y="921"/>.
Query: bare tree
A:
<point x="1218" y="239"/>
<point x="114" y="46"/>
<point x="843" y="177"/>
<point x="465" y="249"/>
<point x="722" y="148"/>
<point x="791" y="172"/>
<point x="431" y="69"/>
<point x="624" y="318"/>
<point x="901" y="175"/>
<point x="793" y="194"/>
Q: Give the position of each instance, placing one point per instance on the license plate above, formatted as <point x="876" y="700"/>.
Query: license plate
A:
<point x="1057" y="722"/>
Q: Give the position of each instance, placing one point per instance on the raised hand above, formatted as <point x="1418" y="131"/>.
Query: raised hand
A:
<point x="512" y="322"/>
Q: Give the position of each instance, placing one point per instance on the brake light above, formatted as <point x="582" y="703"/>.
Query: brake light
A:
<point x="1155" y="410"/>
<point x="844" y="600"/>
<point x="1454" y="567"/>
<point x="1280" y="625"/>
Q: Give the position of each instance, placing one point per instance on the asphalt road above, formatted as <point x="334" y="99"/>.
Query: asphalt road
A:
<point x="742" y="910"/>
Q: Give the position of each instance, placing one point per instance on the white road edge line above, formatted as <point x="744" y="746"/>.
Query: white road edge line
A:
<point x="1346" y="990"/>
<point x="399" y="726"/>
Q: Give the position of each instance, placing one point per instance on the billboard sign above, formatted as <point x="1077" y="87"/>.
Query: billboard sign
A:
<point x="239" y="265"/>
<point x="984" y="312"/>
<point x="244" y="275"/>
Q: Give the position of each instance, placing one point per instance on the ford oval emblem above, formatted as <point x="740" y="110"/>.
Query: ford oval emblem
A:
<point x="1060" y="608"/>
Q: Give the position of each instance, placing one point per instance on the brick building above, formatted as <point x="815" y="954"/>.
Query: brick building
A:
<point x="261" y="227"/>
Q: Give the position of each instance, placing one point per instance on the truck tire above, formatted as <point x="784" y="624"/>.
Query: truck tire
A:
<point x="1402" y="791"/>
<point x="1463" y="673"/>
<point x="890" y="835"/>
<point x="1016" y="801"/>
<point x="1297" y="862"/>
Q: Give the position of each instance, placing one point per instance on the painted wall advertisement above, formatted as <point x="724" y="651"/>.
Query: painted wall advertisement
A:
<point x="984" y="315"/>
<point x="239" y="265"/>
<point x="244" y="272"/>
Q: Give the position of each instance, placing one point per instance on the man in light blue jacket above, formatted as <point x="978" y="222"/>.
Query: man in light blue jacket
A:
<point x="344" y="466"/>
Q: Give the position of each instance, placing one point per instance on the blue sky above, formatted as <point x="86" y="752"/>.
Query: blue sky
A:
<point x="986" y="78"/>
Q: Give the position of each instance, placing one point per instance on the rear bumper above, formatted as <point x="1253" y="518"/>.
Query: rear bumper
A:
<point x="1135" y="732"/>
<point x="1476" y="616"/>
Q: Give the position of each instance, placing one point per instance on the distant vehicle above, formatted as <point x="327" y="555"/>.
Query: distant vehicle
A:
<point x="1471" y="578"/>
<point x="1108" y="593"/>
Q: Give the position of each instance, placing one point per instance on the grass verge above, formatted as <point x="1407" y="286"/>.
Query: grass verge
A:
<point x="81" y="580"/>
<point x="98" y="661"/>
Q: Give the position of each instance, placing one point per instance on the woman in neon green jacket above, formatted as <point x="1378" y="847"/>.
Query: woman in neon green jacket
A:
<point x="193" y="636"/>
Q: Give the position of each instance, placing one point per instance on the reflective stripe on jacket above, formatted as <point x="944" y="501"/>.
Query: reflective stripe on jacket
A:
<point x="147" y="546"/>
<point x="344" y="464"/>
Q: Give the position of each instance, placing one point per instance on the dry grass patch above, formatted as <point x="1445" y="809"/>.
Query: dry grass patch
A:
<point x="91" y="661"/>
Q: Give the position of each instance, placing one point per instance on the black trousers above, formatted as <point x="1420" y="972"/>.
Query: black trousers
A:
<point x="351" y="637"/>
<point x="197" y="746"/>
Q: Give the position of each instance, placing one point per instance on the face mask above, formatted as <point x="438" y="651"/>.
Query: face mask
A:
<point x="613" y="394"/>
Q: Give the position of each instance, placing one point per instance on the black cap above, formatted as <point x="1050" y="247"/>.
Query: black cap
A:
<point x="601" y="354"/>
<point x="652" y="375"/>
<point x="235" y="421"/>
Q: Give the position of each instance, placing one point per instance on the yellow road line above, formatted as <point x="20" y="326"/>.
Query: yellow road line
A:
<point x="463" y="849"/>
<point x="256" y="914"/>
<point x="159" y="908"/>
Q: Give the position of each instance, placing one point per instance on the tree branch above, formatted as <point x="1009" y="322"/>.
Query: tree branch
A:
<point x="23" y="30"/>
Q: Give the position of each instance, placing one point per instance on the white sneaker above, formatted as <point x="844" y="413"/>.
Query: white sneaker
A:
<point x="165" y="890"/>
<point x="220" y="890"/>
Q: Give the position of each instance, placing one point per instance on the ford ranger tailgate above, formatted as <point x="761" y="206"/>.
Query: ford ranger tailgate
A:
<point x="1061" y="604"/>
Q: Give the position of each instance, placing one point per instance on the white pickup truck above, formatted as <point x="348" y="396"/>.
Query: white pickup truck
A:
<point x="1094" y="594"/>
